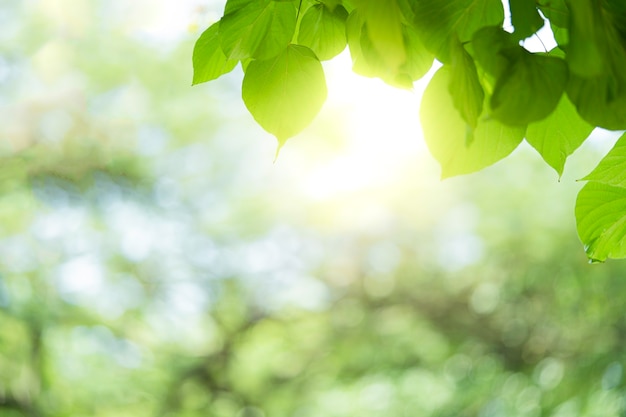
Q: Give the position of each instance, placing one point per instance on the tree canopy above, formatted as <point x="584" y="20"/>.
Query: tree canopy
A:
<point x="489" y="95"/>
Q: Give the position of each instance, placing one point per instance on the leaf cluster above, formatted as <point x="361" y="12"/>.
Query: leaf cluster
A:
<point x="489" y="95"/>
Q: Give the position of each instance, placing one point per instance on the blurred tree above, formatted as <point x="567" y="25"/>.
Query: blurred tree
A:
<point x="149" y="266"/>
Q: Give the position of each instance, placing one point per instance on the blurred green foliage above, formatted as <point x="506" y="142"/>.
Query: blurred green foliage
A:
<point x="152" y="264"/>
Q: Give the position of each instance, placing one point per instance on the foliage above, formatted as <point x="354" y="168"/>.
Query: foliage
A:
<point x="489" y="94"/>
<point x="152" y="265"/>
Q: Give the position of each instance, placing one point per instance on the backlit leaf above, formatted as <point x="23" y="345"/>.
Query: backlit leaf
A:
<point x="441" y="22"/>
<point x="601" y="220"/>
<point x="256" y="28"/>
<point x="558" y="135"/>
<point x="209" y="62"/>
<point x="612" y="168"/>
<point x="458" y="148"/>
<point x="525" y="18"/>
<point x="383" y="20"/>
<point x="323" y="30"/>
<point x="467" y="93"/>
<point x="530" y="89"/>
<point x="286" y="92"/>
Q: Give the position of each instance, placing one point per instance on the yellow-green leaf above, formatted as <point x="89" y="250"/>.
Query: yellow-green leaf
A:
<point x="286" y="92"/>
<point x="257" y="29"/>
<point x="459" y="148"/>
<point x="209" y="62"/>
<point x="323" y="30"/>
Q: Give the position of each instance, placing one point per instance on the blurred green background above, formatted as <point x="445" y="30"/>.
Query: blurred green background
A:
<point x="155" y="261"/>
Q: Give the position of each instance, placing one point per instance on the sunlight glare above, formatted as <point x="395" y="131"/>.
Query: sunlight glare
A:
<point x="383" y="132"/>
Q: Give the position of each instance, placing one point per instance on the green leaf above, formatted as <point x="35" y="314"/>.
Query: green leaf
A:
<point x="368" y="62"/>
<point x="601" y="221"/>
<point x="458" y="148"/>
<point x="557" y="136"/>
<point x="467" y="93"/>
<point x="383" y="20"/>
<point x="323" y="30"/>
<point x="285" y="93"/>
<point x="257" y="29"/>
<point x="612" y="168"/>
<point x="440" y="23"/>
<point x="556" y="11"/>
<point x="587" y="50"/>
<point x="530" y="89"/>
<point x="209" y="62"/>
<point x="525" y="18"/>
<point x="600" y="100"/>
<point x="495" y="50"/>
<point x="354" y="29"/>
<point x="418" y="59"/>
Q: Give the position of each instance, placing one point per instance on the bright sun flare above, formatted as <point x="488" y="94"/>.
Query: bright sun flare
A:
<point x="382" y="126"/>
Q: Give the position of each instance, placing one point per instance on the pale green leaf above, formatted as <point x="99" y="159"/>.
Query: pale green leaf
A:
<point x="612" y="168"/>
<point x="441" y="22"/>
<point x="458" y="148"/>
<point x="209" y="62"/>
<point x="285" y="93"/>
<point x="601" y="220"/>
<point x="257" y="29"/>
<point x="323" y="30"/>
<point x="418" y="58"/>
<point x="383" y="20"/>
<point x="557" y="136"/>
<point x="467" y="93"/>
<point x="530" y="89"/>
<point x="354" y="32"/>
<point x="369" y="63"/>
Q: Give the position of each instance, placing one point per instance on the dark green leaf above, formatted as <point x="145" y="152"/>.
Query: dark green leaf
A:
<point x="601" y="220"/>
<point x="495" y="50"/>
<point x="257" y="29"/>
<point x="467" y="93"/>
<point x="558" y="135"/>
<point x="458" y="148"/>
<point x="323" y="30"/>
<point x="209" y="62"/>
<point x="600" y="100"/>
<point x="556" y="11"/>
<point x="440" y="23"/>
<point x="530" y="89"/>
<point x="612" y="168"/>
<point x="525" y="18"/>
<point x="286" y="92"/>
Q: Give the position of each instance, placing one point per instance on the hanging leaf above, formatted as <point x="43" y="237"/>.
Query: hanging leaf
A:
<point x="257" y="29"/>
<point x="458" y="148"/>
<point x="612" y="168"/>
<point x="209" y="62"/>
<point x="439" y="23"/>
<point x="557" y="136"/>
<point x="467" y="93"/>
<point x="323" y="30"/>
<point x="383" y="20"/>
<point x="286" y="92"/>
<point x="495" y="50"/>
<point x="418" y="59"/>
<point x="556" y="11"/>
<point x="530" y="89"/>
<point x="600" y="100"/>
<point x="525" y="18"/>
<point x="601" y="221"/>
